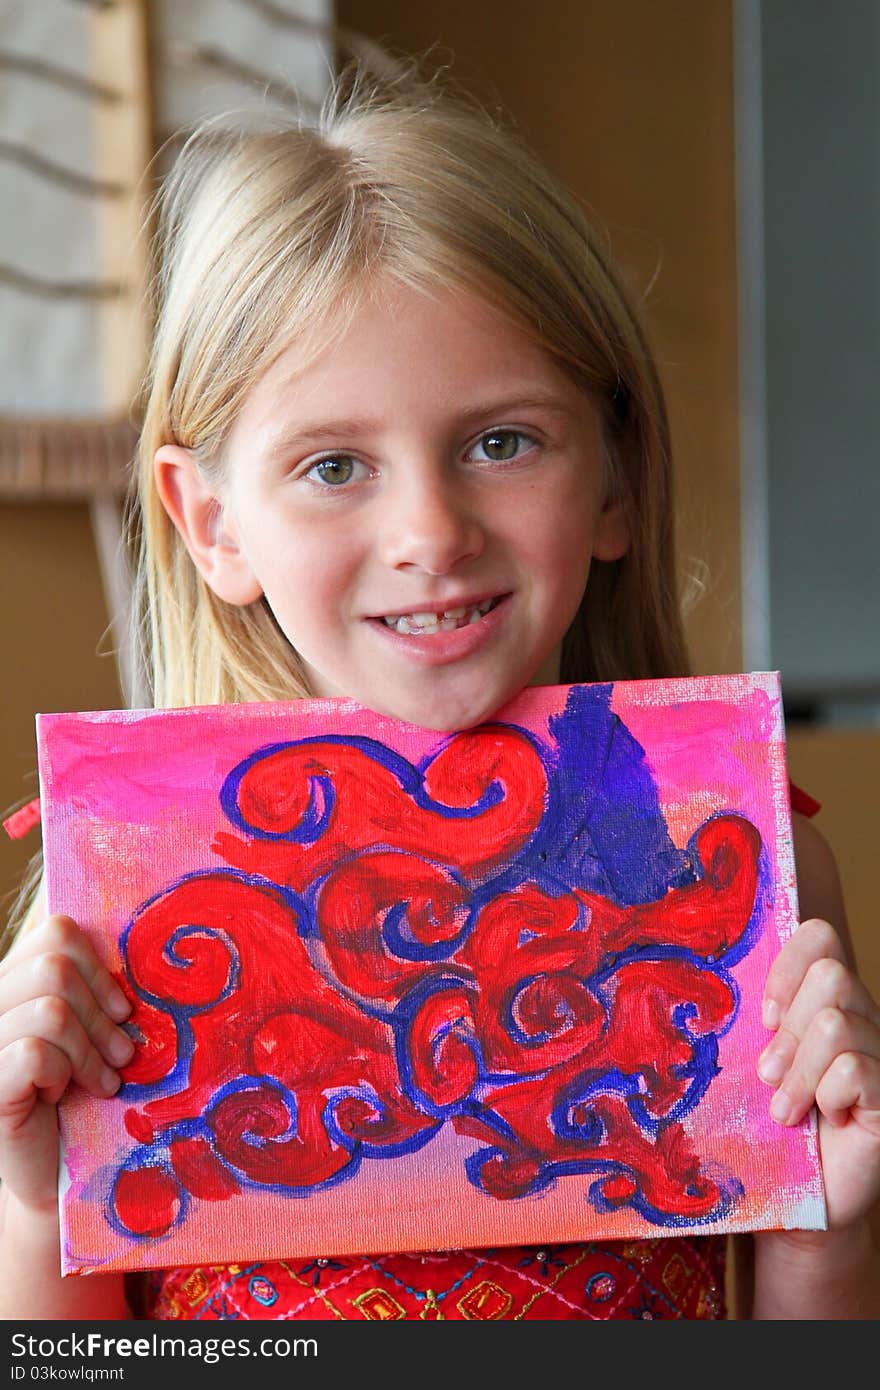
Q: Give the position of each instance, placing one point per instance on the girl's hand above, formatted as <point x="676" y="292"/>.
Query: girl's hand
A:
<point x="826" y="1051"/>
<point x="58" y="1013"/>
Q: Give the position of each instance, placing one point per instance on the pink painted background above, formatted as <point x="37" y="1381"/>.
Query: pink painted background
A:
<point x="130" y="805"/>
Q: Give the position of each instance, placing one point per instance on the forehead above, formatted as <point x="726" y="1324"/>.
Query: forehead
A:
<point x="399" y="347"/>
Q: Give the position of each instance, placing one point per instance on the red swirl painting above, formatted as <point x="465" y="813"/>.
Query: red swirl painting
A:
<point x="398" y="990"/>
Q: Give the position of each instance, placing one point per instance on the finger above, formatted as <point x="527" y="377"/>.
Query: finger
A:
<point x="52" y="1022"/>
<point x="832" y="1033"/>
<point x="60" y="935"/>
<point x="851" y="1084"/>
<point x="828" y="984"/>
<point x="814" y="940"/>
<point x="56" y="975"/>
<point x="30" y="1068"/>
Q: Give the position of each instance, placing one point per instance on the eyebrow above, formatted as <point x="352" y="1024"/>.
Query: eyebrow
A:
<point x="313" y="432"/>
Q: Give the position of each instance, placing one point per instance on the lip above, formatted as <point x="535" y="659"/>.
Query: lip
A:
<point x="446" y="606"/>
<point x="440" y="648"/>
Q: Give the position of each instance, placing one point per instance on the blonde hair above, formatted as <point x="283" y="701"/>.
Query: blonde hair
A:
<point x="267" y="234"/>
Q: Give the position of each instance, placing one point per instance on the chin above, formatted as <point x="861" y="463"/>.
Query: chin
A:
<point x="444" y="715"/>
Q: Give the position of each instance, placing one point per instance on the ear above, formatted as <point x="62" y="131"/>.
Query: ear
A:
<point x="612" y="537"/>
<point x="207" y="532"/>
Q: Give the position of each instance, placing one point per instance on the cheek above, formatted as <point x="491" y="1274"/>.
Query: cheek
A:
<point x="563" y="540"/>
<point x="310" y="582"/>
<point x="281" y="547"/>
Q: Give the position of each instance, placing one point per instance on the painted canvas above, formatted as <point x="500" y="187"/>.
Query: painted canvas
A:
<point x="402" y="990"/>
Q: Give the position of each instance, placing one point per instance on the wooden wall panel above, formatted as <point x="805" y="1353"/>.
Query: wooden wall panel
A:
<point x="55" y="656"/>
<point x="841" y="768"/>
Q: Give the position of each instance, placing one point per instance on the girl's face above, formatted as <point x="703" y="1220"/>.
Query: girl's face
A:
<point x="419" y="505"/>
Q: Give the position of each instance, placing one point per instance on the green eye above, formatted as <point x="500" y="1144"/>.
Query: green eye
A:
<point x="500" y="445"/>
<point x="334" y="471"/>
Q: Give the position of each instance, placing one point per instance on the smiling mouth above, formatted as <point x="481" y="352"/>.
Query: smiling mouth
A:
<point x="423" y="624"/>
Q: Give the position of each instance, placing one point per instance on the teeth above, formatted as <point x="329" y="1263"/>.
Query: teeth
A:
<point x="412" y="624"/>
<point x="428" y="622"/>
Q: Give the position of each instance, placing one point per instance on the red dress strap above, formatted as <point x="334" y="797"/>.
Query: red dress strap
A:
<point x="801" y="801"/>
<point x="21" y="821"/>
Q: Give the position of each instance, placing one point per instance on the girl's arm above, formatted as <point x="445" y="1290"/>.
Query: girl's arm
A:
<point x="32" y="1286"/>
<point x="828" y="1042"/>
<point x="59" y="1009"/>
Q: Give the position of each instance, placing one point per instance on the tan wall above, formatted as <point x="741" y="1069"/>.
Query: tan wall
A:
<point x="53" y="623"/>
<point x="841" y="768"/>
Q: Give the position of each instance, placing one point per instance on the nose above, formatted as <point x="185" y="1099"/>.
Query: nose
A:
<point x="428" y="521"/>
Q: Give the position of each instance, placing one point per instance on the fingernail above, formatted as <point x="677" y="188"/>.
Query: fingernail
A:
<point x="781" y="1108"/>
<point x="120" y="1047"/>
<point x="118" y="1006"/>
<point x="771" y="1068"/>
<point x="110" y="1080"/>
<point x="770" y="1013"/>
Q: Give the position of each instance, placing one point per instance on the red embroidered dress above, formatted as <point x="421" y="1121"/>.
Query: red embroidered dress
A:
<point x="643" y="1279"/>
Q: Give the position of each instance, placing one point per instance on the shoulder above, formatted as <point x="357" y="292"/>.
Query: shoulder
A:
<point x="818" y="879"/>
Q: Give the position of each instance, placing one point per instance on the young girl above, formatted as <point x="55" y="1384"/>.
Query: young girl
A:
<point x="405" y="443"/>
